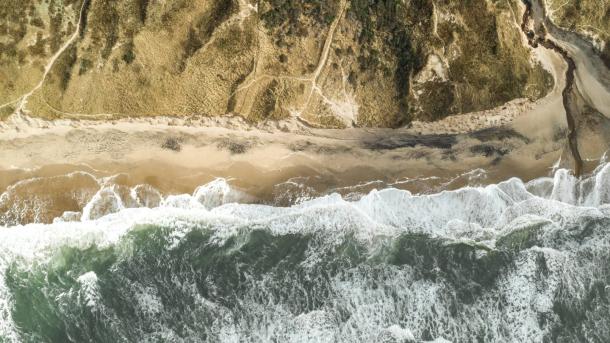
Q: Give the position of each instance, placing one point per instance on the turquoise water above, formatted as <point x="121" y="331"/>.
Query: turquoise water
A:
<point x="511" y="262"/>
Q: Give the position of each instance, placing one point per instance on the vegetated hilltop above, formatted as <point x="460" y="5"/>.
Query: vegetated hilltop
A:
<point x="30" y="33"/>
<point x="590" y="18"/>
<point x="333" y="63"/>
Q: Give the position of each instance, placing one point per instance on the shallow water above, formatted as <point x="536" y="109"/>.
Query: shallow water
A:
<point x="510" y="262"/>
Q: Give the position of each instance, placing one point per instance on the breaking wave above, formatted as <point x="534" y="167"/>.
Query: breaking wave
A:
<point x="510" y="262"/>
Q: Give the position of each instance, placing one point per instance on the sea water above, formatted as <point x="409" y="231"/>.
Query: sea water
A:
<point x="509" y="262"/>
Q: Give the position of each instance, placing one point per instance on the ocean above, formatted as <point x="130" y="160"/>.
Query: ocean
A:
<point x="507" y="262"/>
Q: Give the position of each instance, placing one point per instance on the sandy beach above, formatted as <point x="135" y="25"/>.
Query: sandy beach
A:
<point x="258" y="157"/>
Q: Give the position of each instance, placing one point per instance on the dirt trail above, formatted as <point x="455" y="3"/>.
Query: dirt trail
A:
<point x="8" y="103"/>
<point x="324" y="56"/>
<point x="311" y="79"/>
<point x="24" y="98"/>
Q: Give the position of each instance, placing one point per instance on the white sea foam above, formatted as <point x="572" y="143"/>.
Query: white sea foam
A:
<point x="33" y="200"/>
<point x="380" y="212"/>
<point x="217" y="193"/>
<point x="104" y="202"/>
<point x="396" y="334"/>
<point x="90" y="289"/>
<point x="475" y="213"/>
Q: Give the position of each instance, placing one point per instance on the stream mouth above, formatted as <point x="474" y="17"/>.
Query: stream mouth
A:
<point x="535" y="39"/>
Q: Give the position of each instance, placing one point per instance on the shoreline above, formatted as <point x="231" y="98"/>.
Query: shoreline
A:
<point x="349" y="156"/>
<point x="522" y="138"/>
